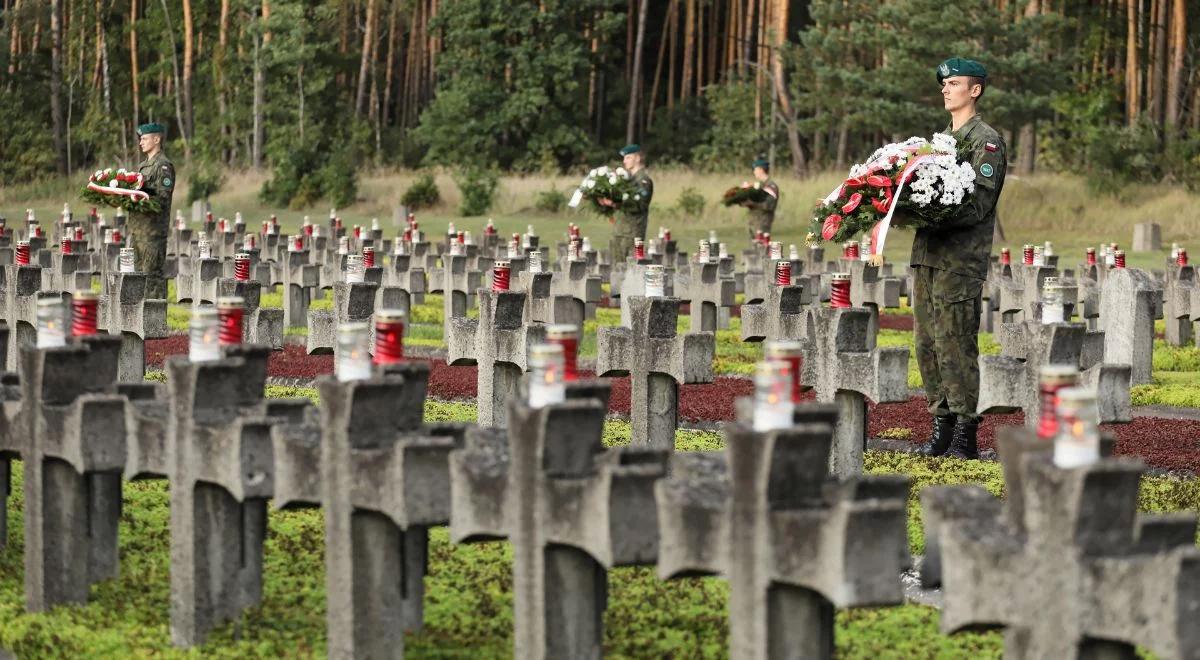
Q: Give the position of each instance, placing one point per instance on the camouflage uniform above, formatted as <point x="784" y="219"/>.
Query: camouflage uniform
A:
<point x="762" y="214"/>
<point x="950" y="264"/>
<point x="148" y="233"/>
<point x="631" y="223"/>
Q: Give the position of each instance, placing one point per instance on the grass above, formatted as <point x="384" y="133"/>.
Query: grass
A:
<point x="468" y="587"/>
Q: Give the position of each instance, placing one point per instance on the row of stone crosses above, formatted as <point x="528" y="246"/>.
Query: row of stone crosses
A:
<point x="1065" y="563"/>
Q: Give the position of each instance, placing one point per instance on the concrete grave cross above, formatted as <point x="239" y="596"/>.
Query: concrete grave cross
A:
<point x="200" y="286"/>
<point x="657" y="360"/>
<point x="22" y="290"/>
<point x="572" y="279"/>
<point x="843" y="365"/>
<point x="221" y="473"/>
<point x="871" y="290"/>
<point x="780" y="315"/>
<point x="127" y="312"/>
<point x="1066" y="564"/>
<point x="260" y="325"/>
<point x="1178" y="296"/>
<point x="706" y="291"/>
<point x="352" y="302"/>
<point x="1009" y="382"/>
<point x="300" y="279"/>
<point x="572" y="510"/>
<point x="793" y="541"/>
<point x="403" y="272"/>
<point x="542" y="305"/>
<point x="634" y="284"/>
<point x="74" y="429"/>
<point x="498" y="342"/>
<point x="1130" y="301"/>
<point x="1020" y="291"/>
<point x="457" y="285"/>
<point x="382" y="477"/>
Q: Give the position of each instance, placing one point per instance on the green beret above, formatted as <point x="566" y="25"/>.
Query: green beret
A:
<point x="957" y="66"/>
<point x="761" y="162"/>
<point x="147" y="129"/>
<point x="630" y="149"/>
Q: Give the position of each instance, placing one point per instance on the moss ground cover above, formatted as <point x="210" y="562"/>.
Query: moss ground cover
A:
<point x="469" y="602"/>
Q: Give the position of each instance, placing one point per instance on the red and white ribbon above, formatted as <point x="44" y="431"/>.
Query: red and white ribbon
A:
<point x="880" y="230"/>
<point x="135" y="195"/>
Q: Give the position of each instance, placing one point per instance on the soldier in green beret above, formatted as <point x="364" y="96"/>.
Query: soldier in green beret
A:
<point x="635" y="215"/>
<point x="950" y="263"/>
<point x="762" y="214"/>
<point x="148" y="233"/>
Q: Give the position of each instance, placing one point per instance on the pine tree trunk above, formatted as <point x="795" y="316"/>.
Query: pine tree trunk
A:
<point x="689" y="46"/>
<point x="360" y="99"/>
<point x="1132" y="97"/>
<point x="14" y="42"/>
<point x="1027" y="137"/>
<point x="188" y="128"/>
<point x="220" y="80"/>
<point x="635" y="83"/>
<point x="1178" y="55"/>
<point x="260" y="83"/>
<point x="133" y="60"/>
<point x="389" y="82"/>
<point x="56" y="109"/>
<point x="658" y="65"/>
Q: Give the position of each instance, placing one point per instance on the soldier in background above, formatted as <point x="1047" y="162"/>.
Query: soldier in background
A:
<point x="148" y="233"/>
<point x="635" y="214"/>
<point x="950" y="263"/>
<point x="762" y="214"/>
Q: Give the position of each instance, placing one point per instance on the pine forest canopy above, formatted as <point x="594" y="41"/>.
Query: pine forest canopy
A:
<point x="313" y="88"/>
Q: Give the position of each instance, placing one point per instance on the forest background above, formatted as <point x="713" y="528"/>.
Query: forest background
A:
<point x="314" y="92"/>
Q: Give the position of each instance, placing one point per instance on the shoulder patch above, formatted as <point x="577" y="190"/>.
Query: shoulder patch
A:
<point x="991" y="146"/>
<point x="986" y="169"/>
<point x="167" y="180"/>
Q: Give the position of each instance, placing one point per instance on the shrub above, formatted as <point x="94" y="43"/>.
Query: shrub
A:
<point x="550" y="201"/>
<point x="690" y="202"/>
<point x="205" y="182"/>
<point x="422" y="194"/>
<point x="478" y="188"/>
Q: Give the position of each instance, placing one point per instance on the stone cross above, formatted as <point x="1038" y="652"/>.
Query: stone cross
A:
<point x="125" y="311"/>
<point x="221" y="474"/>
<point x="457" y="285"/>
<point x="498" y="342"/>
<point x="200" y="285"/>
<point x="1065" y="564"/>
<point x="657" y="360"/>
<point x="300" y="278"/>
<point x="1130" y="301"/>
<point x="1021" y="291"/>
<point x="352" y="302"/>
<point x="1178" y="295"/>
<point x="1147" y="237"/>
<point x="1009" y="382"/>
<point x="781" y="315"/>
<point x="793" y="541"/>
<point x="74" y="430"/>
<point x="707" y="292"/>
<point x="404" y="273"/>
<point x="260" y="325"/>
<point x="871" y="290"/>
<point x="382" y="477"/>
<point x="572" y="510"/>
<point x="843" y="365"/>
<point x="572" y="279"/>
<point x="22" y="290"/>
<point x="542" y="305"/>
<point x="634" y="284"/>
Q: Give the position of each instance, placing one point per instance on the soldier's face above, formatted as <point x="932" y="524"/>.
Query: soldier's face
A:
<point x="760" y="174"/>
<point x="632" y="161"/>
<point x="149" y="141"/>
<point x="958" y="92"/>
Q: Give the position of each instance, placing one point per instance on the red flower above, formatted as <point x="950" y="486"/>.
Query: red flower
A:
<point x="855" y="200"/>
<point x="882" y="205"/>
<point x="831" y="226"/>
<point x="855" y="182"/>
<point x="880" y="181"/>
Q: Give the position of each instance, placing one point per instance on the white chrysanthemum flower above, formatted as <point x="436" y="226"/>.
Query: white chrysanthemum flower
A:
<point x="621" y="171"/>
<point x="637" y="198"/>
<point x="625" y="197"/>
<point x="612" y="179"/>
<point x="590" y="183"/>
<point x="113" y="183"/>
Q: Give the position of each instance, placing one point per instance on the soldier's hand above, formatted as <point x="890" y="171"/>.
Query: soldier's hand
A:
<point x="875" y="260"/>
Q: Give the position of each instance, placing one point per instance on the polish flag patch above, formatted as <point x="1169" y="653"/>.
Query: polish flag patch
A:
<point x="991" y="147"/>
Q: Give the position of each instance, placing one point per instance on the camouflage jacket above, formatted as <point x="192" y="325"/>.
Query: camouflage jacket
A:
<point x="767" y="206"/>
<point x="962" y="244"/>
<point x="638" y="209"/>
<point x="159" y="183"/>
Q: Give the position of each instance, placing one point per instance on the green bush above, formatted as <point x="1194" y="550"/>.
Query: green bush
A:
<point x="551" y="201"/>
<point x="690" y="202"/>
<point x="478" y="187"/>
<point x="305" y="170"/>
<point x="205" y="182"/>
<point x="422" y="194"/>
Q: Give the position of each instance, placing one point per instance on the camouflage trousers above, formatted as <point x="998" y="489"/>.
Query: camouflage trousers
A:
<point x="946" y="307"/>
<point x="148" y="238"/>
<point x="760" y="222"/>
<point x="625" y="229"/>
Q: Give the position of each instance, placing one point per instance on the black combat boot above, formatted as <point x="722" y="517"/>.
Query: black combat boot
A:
<point x="943" y="428"/>
<point x="964" y="444"/>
